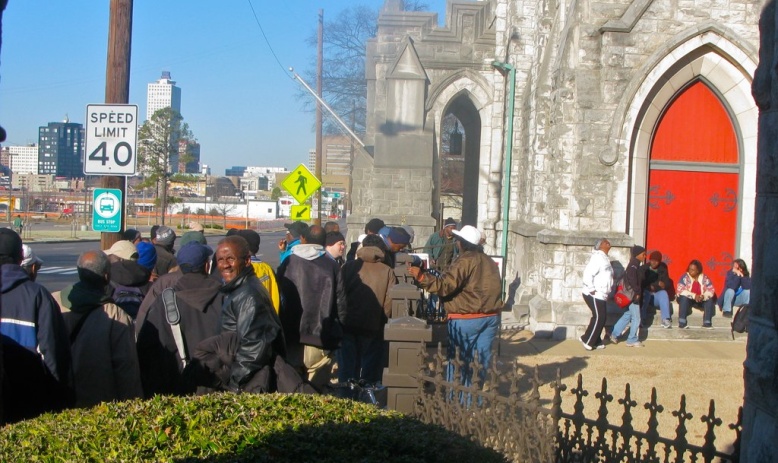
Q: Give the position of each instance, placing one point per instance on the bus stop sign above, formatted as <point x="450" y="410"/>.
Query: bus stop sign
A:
<point x="107" y="210"/>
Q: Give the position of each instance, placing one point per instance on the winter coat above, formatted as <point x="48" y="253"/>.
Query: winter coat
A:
<point x="684" y="287"/>
<point x="652" y="278"/>
<point x="248" y="311"/>
<point x="199" y="303"/>
<point x="131" y="274"/>
<point x="36" y="349"/>
<point x="105" y="364"/>
<point x="440" y="249"/>
<point x="288" y="251"/>
<point x="166" y="261"/>
<point x="312" y="296"/>
<point x="471" y="286"/>
<point x="598" y="276"/>
<point x="367" y="282"/>
<point x="268" y="279"/>
<point x="633" y="278"/>
<point x="165" y="281"/>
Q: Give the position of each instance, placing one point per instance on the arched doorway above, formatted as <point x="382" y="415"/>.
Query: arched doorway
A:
<point x="458" y="159"/>
<point x="694" y="180"/>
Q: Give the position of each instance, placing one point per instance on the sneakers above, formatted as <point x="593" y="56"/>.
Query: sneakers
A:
<point x="600" y="346"/>
<point x="612" y="339"/>
<point x="707" y="325"/>
<point x="635" y="344"/>
<point x="727" y="314"/>
<point x="682" y="325"/>
<point x="667" y="324"/>
<point x="586" y="346"/>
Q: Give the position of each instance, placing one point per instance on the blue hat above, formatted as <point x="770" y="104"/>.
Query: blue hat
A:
<point x="147" y="255"/>
<point x="192" y="256"/>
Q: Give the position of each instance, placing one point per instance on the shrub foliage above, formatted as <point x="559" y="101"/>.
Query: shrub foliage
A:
<point x="235" y="428"/>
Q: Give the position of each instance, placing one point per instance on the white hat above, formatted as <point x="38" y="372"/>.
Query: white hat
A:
<point x="469" y="233"/>
<point x="29" y="257"/>
<point x="361" y="237"/>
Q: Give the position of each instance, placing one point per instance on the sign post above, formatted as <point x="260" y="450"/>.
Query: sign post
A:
<point x="301" y="185"/>
<point x="107" y="210"/>
<point x="111" y="139"/>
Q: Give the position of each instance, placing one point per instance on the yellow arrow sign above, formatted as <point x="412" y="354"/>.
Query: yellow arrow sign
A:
<point x="301" y="212"/>
<point x="301" y="183"/>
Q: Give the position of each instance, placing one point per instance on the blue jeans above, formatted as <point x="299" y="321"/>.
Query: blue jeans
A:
<point x="685" y="305"/>
<point x="729" y="299"/>
<point x="359" y="357"/>
<point x="471" y="335"/>
<point x="631" y="316"/>
<point x="660" y="299"/>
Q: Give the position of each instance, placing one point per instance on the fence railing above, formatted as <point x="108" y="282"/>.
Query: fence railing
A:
<point x="496" y="413"/>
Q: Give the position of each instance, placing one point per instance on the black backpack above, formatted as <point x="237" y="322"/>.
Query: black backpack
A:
<point x="740" y="321"/>
<point x="129" y="298"/>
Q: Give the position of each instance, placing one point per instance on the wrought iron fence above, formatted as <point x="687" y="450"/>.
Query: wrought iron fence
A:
<point x="525" y="428"/>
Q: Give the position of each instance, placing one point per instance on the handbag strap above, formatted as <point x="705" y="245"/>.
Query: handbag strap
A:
<point x="173" y="317"/>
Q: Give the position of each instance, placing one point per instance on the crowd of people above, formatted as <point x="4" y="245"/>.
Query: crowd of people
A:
<point x="170" y="315"/>
<point x="651" y="285"/>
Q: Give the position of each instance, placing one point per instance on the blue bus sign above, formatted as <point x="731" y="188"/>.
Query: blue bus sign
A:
<point x="107" y="210"/>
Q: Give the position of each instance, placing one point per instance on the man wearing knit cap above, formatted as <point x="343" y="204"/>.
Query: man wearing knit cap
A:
<point x="631" y="316"/>
<point x="36" y="350"/>
<point x="440" y="245"/>
<point x="658" y="288"/>
<point x="335" y="245"/>
<point x="191" y="236"/>
<point x="163" y="242"/>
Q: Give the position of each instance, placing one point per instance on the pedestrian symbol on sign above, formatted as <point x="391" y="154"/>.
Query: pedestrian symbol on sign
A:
<point x="301" y="181"/>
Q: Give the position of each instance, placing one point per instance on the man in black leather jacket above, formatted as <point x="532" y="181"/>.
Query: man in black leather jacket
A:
<point x="247" y="311"/>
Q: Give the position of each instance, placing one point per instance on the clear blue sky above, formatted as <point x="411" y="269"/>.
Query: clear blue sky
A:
<point x="237" y="100"/>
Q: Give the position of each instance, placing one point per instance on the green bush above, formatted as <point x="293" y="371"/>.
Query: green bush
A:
<point x="214" y="226"/>
<point x="235" y="428"/>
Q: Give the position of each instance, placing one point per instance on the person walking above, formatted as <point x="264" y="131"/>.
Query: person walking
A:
<point x="633" y="280"/>
<point x="597" y="283"/>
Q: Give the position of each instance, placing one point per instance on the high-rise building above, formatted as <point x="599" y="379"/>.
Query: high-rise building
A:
<point x="162" y="94"/>
<point x="61" y="149"/>
<point x="23" y="159"/>
<point x="191" y="150"/>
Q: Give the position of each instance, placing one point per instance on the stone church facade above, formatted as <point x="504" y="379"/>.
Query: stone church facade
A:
<point x="628" y="119"/>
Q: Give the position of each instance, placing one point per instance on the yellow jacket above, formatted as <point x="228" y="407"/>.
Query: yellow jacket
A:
<point x="268" y="279"/>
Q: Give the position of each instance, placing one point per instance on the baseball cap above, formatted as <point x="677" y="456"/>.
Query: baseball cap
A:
<point x="296" y="229"/>
<point x="11" y="244"/>
<point x="28" y="257"/>
<point x="469" y="233"/>
<point x="193" y="256"/>
<point x="398" y="235"/>
<point x="124" y="249"/>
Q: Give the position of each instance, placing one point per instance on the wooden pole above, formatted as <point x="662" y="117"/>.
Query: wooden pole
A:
<point x="117" y="90"/>
<point x="319" y="70"/>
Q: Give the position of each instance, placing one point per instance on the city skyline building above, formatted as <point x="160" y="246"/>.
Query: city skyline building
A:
<point x="61" y="149"/>
<point x="23" y="159"/>
<point x="162" y="94"/>
<point x="190" y="149"/>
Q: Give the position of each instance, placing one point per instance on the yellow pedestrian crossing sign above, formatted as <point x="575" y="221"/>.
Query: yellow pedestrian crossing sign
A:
<point x="301" y="183"/>
<point x="301" y="212"/>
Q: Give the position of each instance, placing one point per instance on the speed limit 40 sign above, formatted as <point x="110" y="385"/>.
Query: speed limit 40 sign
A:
<point x="111" y="139"/>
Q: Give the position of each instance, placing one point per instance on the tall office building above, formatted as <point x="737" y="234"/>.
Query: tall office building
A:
<point x="23" y="159"/>
<point x="61" y="149"/>
<point x="162" y="94"/>
<point x="190" y="150"/>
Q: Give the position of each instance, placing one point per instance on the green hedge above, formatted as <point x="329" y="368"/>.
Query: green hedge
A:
<point x="235" y="428"/>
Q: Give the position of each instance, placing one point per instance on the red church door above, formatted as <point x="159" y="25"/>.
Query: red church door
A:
<point x="694" y="185"/>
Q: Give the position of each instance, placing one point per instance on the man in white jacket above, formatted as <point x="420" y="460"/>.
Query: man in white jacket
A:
<point x="597" y="282"/>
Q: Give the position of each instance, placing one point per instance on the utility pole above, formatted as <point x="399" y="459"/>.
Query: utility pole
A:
<point x="117" y="91"/>
<point x="319" y="70"/>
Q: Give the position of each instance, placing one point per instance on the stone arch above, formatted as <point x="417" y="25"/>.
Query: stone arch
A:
<point x="729" y="70"/>
<point x="465" y="92"/>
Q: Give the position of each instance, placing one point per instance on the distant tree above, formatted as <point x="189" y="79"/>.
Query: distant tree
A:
<point x="344" y="86"/>
<point x="200" y="211"/>
<point x="275" y="194"/>
<point x="223" y="209"/>
<point x="158" y="151"/>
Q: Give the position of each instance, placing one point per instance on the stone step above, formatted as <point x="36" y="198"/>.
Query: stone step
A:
<point x="652" y="329"/>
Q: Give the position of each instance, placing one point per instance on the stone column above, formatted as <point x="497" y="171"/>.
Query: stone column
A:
<point x="760" y="408"/>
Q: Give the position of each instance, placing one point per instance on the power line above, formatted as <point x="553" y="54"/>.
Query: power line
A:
<point x="256" y="18"/>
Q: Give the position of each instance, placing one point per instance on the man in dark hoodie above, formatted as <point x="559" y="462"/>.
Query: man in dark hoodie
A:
<point x="658" y="288"/>
<point x="36" y="350"/>
<point x="312" y="296"/>
<point x="633" y="280"/>
<point x="199" y="304"/>
<point x="105" y="364"/>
